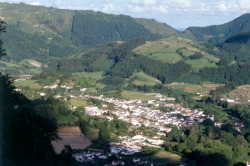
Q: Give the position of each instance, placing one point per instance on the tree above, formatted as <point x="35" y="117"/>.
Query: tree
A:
<point x="104" y="133"/>
<point x="25" y="136"/>
<point x="2" y="29"/>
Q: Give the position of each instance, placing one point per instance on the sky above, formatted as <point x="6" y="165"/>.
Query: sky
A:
<point x="176" y="13"/>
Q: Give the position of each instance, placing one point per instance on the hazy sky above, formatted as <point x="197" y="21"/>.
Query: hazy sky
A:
<point x="176" y="13"/>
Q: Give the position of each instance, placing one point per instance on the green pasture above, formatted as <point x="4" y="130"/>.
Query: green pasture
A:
<point x="104" y="63"/>
<point x="30" y="83"/>
<point x="137" y="95"/>
<point x="94" y="75"/>
<point x="144" y="79"/>
<point x="200" y="63"/>
<point x="78" y="103"/>
<point x="212" y="58"/>
<point x="187" y="53"/>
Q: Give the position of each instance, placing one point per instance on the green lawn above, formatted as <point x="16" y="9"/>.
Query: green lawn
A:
<point x="137" y="95"/>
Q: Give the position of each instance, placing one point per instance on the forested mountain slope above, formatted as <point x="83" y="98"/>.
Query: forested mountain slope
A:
<point x="235" y="48"/>
<point x="46" y="33"/>
<point x="218" y="33"/>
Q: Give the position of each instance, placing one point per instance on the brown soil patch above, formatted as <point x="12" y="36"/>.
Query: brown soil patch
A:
<point x="75" y="140"/>
<point x="69" y="129"/>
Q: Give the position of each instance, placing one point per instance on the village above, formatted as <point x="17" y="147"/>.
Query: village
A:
<point x="136" y="113"/>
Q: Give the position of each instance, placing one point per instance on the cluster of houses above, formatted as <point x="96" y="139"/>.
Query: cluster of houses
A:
<point x="138" y="115"/>
<point x="90" y="156"/>
<point x="133" y="145"/>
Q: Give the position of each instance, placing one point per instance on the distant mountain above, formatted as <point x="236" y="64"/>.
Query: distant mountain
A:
<point x="235" y="48"/>
<point x="46" y="33"/>
<point x="218" y="33"/>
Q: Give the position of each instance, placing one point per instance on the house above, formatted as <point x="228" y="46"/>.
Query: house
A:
<point x="42" y="94"/>
<point x="57" y="96"/>
<point x="158" y="95"/>
<point x="136" y="159"/>
<point x="104" y="105"/>
<point x="69" y="87"/>
<point x="116" y="162"/>
<point x="63" y="86"/>
<point x="53" y="86"/>
<point x="17" y="90"/>
<point x="247" y="163"/>
<point x="110" y="118"/>
<point x="83" y="89"/>
<point x="151" y="101"/>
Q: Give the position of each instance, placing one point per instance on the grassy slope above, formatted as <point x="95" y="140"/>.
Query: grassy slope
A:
<point x="165" y="50"/>
<point x="144" y="79"/>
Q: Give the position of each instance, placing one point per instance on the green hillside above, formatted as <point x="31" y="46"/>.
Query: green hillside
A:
<point x="174" y="49"/>
<point x="218" y="33"/>
<point x="158" y="28"/>
<point x="235" y="48"/>
<point x="47" y="34"/>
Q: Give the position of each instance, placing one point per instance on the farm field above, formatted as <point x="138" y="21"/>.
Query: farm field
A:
<point x="76" y="141"/>
<point x="200" y="63"/>
<point x="94" y="75"/>
<point x="68" y="129"/>
<point x="78" y="103"/>
<point x="31" y="62"/>
<point x="194" y="88"/>
<point x="30" y="83"/>
<point x="242" y="93"/>
<point x="169" y="49"/>
<point x="104" y="63"/>
<point x="144" y="79"/>
<point x="137" y="95"/>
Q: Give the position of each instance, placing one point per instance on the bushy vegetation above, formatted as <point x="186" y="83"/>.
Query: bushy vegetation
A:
<point x="205" y="144"/>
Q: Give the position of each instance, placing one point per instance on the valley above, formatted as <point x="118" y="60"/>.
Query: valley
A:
<point x="123" y="90"/>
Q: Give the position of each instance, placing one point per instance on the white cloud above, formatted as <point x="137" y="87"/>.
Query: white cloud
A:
<point x="144" y="2"/>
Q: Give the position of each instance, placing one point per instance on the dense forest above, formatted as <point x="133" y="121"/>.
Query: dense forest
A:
<point x="92" y="29"/>
<point x="219" y="33"/>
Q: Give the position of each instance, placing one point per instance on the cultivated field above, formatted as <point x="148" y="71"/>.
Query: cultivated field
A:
<point x="200" y="63"/>
<point x="170" y="50"/>
<point x="68" y="129"/>
<point x="72" y="136"/>
<point x="144" y="79"/>
<point x="94" y="75"/>
<point x="30" y="83"/>
<point x="137" y="95"/>
<point x="78" y="103"/>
